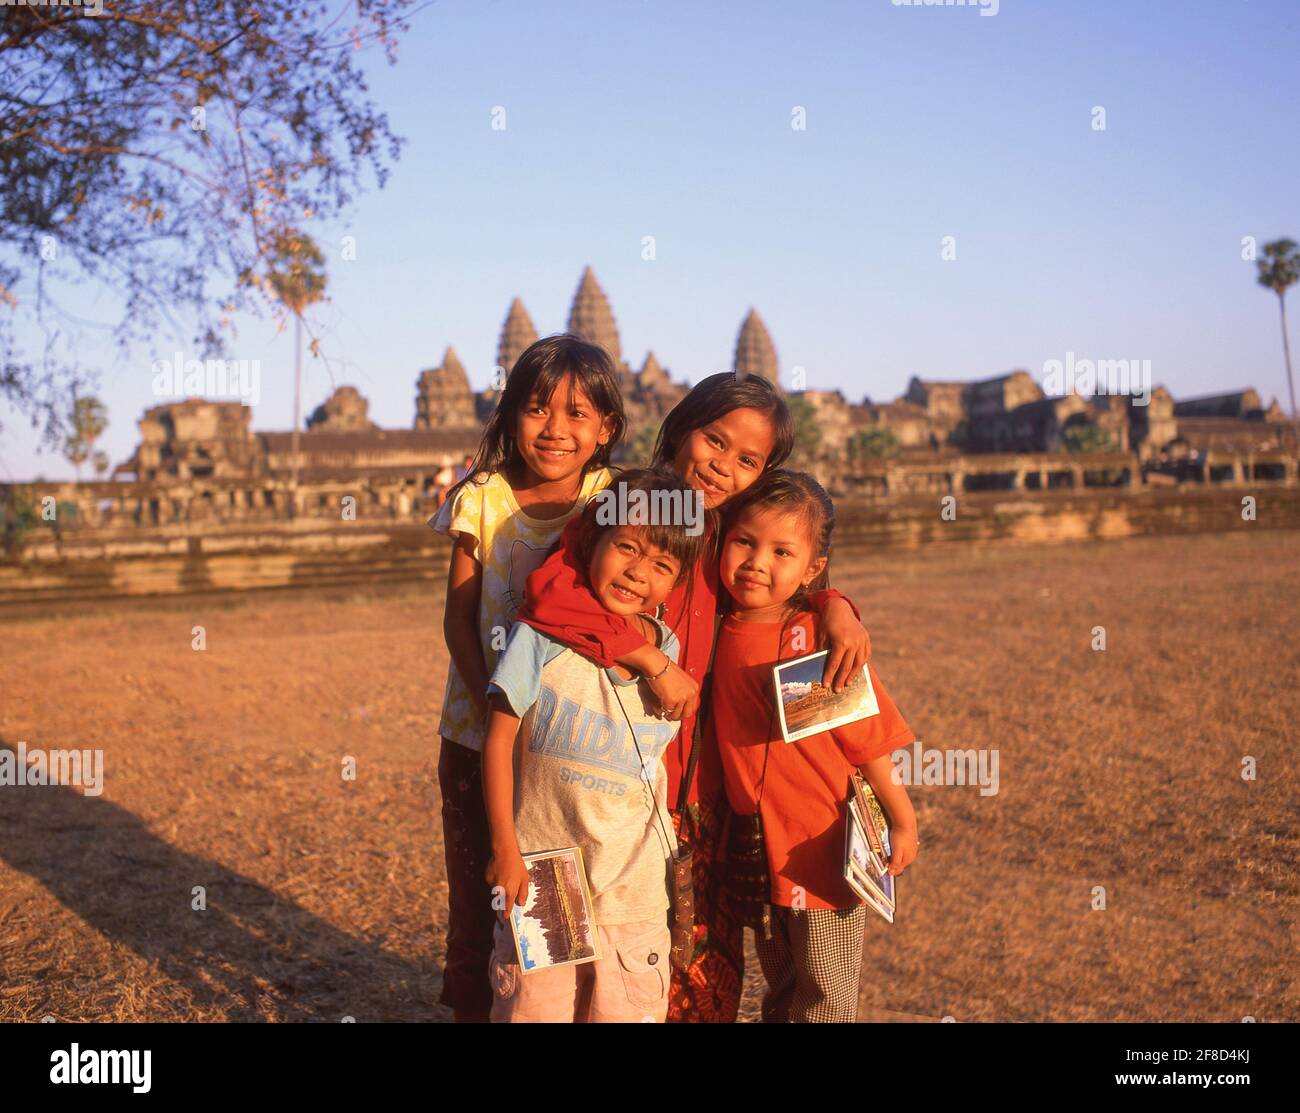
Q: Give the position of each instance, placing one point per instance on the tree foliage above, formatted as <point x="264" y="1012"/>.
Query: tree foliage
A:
<point x="88" y="421"/>
<point x="1087" y="438"/>
<point x="18" y="517"/>
<point x="873" y="444"/>
<point x="1279" y="270"/>
<point x="166" y="149"/>
<point x="296" y="271"/>
<point x="638" y="450"/>
<point x="807" y="431"/>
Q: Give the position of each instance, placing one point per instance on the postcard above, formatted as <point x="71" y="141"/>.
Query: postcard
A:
<point x="868" y="876"/>
<point x="874" y="861"/>
<point x="868" y="806"/>
<point x="868" y="894"/>
<point x="806" y="706"/>
<point x="883" y="887"/>
<point x="857" y="852"/>
<point x="556" y="927"/>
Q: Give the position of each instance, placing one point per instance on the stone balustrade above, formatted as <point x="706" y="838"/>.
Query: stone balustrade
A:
<point x="197" y="505"/>
<point x="958" y="474"/>
<point x="130" y="505"/>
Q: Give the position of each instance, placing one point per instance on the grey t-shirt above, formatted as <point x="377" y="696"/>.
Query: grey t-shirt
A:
<point x="579" y="779"/>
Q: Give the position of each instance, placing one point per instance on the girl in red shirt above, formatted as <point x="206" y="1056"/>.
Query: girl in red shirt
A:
<point x="775" y="550"/>
<point x="720" y="438"/>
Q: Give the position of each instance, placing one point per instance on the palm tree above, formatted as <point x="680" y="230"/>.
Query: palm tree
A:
<point x="1279" y="270"/>
<point x="297" y="278"/>
<point x="89" y="419"/>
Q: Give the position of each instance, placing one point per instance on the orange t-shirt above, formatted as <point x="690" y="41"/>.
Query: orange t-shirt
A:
<point x="807" y="782"/>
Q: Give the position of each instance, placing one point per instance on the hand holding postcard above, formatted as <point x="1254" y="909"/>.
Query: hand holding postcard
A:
<point x="806" y="706"/>
<point x="556" y="926"/>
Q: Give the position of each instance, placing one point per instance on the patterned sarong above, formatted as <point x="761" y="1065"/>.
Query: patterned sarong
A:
<point x="710" y="989"/>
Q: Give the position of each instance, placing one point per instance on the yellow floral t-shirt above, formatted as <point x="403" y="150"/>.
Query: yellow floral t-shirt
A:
<point x="509" y="545"/>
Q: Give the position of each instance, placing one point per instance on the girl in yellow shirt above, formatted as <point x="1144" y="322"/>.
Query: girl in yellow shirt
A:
<point x="544" y="453"/>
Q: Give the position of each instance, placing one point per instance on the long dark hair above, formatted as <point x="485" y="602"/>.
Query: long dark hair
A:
<point x="784" y="490"/>
<point x="538" y="371"/>
<point x="715" y="396"/>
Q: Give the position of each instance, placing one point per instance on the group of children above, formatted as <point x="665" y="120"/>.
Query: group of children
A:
<point x="580" y="640"/>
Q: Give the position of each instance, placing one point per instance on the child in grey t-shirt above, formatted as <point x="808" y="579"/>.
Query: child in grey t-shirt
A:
<point x="573" y="758"/>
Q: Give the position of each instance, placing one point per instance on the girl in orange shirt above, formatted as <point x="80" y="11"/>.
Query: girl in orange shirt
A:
<point x="775" y="551"/>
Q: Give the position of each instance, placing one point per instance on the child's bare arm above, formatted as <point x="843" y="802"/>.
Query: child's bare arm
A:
<point x="460" y="620"/>
<point x="846" y="639"/>
<point x="898" y="806"/>
<point x="506" y="866"/>
<point x="677" y="693"/>
<point x="672" y="686"/>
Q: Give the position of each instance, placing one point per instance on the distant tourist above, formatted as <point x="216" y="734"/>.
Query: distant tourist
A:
<point x="443" y="482"/>
<point x="544" y="453"/>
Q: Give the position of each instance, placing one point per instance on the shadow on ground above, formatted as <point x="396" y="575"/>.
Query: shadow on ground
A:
<point x="252" y="953"/>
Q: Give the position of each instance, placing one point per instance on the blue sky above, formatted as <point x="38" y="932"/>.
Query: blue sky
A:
<point x="673" y="120"/>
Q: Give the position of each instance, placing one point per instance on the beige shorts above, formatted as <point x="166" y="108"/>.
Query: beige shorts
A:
<point x="628" y="983"/>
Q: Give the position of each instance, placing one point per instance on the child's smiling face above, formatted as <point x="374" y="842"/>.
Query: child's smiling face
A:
<point x="767" y="555"/>
<point x="628" y="574"/>
<point x="556" y="438"/>
<point x="724" y="457"/>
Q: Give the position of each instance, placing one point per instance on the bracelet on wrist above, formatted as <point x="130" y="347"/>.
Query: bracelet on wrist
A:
<point x="667" y="661"/>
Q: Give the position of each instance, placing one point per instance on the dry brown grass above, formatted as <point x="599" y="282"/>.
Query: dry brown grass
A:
<point x="326" y="897"/>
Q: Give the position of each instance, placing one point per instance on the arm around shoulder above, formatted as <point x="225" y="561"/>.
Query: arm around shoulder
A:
<point x="843" y="634"/>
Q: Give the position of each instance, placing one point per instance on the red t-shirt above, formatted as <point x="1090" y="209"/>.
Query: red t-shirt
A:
<point x="558" y="601"/>
<point x="807" y="782"/>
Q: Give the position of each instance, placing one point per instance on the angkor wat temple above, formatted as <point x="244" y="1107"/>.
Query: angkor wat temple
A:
<point x="1010" y="413"/>
<point x="200" y="461"/>
<point x="197" y="439"/>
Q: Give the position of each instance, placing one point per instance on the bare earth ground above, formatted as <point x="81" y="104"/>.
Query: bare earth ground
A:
<point x="326" y="897"/>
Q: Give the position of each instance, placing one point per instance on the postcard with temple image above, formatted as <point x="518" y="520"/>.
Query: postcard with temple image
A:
<point x="556" y="926"/>
<point x="806" y="706"/>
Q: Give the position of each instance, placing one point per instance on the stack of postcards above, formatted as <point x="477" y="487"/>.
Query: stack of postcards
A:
<point x="866" y="850"/>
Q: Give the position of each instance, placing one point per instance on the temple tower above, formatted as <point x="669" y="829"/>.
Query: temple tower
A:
<point x="652" y="376"/>
<point x="443" y="398"/>
<point x="592" y="319"/>
<point x="516" y="335"/>
<point x="755" y="352"/>
<point x="344" y="411"/>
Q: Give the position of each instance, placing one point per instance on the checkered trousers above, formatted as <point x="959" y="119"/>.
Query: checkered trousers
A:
<point x="812" y="963"/>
